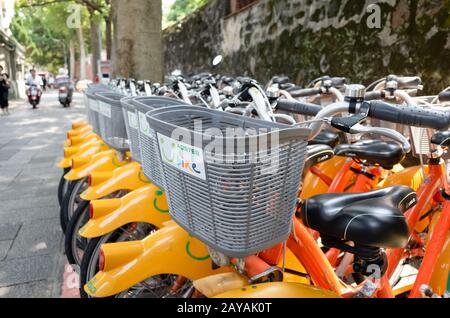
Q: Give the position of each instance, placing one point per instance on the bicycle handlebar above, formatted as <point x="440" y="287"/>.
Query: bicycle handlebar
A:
<point x="338" y="81"/>
<point x="405" y="81"/>
<point x="375" y="95"/>
<point x="444" y="97"/>
<point x="410" y="115"/>
<point x="296" y="107"/>
<point x="305" y="92"/>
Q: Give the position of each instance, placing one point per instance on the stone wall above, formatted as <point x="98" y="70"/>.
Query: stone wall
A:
<point x="305" y="39"/>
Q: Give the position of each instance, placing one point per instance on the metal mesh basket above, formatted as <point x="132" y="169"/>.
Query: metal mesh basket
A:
<point x="111" y="121"/>
<point x="420" y="141"/>
<point x="132" y="127"/>
<point x="418" y="137"/>
<point x="147" y="143"/>
<point x="235" y="196"/>
<point x="90" y="100"/>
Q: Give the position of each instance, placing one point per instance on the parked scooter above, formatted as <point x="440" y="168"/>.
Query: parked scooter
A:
<point x="34" y="94"/>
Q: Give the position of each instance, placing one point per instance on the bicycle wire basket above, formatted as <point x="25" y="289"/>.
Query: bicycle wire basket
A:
<point x="111" y="121"/>
<point x="91" y="103"/>
<point x="132" y="127"/>
<point x="145" y="141"/>
<point x="241" y="201"/>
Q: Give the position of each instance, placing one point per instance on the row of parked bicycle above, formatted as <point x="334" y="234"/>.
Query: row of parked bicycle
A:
<point x="213" y="186"/>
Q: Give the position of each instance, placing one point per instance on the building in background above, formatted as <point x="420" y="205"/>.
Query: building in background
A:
<point x="12" y="54"/>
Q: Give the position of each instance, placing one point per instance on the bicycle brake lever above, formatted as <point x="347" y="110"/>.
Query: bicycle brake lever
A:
<point x="345" y="124"/>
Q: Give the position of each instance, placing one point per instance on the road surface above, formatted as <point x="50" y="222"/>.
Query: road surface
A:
<point x="31" y="241"/>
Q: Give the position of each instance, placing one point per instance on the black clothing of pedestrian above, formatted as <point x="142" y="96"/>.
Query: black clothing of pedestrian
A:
<point x="4" y="93"/>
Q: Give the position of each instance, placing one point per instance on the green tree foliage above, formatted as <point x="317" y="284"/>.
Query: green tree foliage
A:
<point x="182" y="8"/>
<point x="41" y="27"/>
<point x="43" y="33"/>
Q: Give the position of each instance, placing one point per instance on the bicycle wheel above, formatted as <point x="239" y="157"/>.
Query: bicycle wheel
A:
<point x="71" y="201"/>
<point x="159" y="286"/>
<point x="75" y="244"/>
<point x="89" y="265"/>
<point x="63" y="186"/>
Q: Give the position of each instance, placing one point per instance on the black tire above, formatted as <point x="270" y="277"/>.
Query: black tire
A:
<point x="63" y="186"/>
<point x="67" y="208"/>
<point x="90" y="259"/>
<point x="89" y="265"/>
<point x="62" y="218"/>
<point x="73" y="239"/>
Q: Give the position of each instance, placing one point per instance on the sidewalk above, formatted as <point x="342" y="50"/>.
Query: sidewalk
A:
<point x="31" y="246"/>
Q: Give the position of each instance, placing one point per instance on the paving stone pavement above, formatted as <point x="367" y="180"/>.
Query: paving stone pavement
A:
<point x="31" y="241"/>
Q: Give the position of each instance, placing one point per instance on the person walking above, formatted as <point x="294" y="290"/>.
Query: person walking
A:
<point x="4" y="92"/>
<point x="44" y="83"/>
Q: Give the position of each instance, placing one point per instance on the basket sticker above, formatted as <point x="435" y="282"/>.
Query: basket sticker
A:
<point x="144" y="126"/>
<point x="184" y="157"/>
<point x="105" y="109"/>
<point x="132" y="120"/>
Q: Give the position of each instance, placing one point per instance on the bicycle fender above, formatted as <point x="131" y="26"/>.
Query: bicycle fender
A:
<point x="145" y="205"/>
<point x="129" y="177"/>
<point x="278" y="290"/>
<point x="170" y="250"/>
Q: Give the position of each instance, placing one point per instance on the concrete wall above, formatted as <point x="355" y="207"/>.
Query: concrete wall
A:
<point x="308" y="38"/>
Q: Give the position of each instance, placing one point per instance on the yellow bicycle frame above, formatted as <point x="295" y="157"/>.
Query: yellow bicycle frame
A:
<point x="129" y="177"/>
<point x="170" y="250"/>
<point x="103" y="161"/>
<point x="79" y="131"/>
<point x="79" y="124"/>
<point x="87" y="150"/>
<point x="80" y="139"/>
<point x="147" y="205"/>
<point x="313" y="185"/>
<point x="278" y="290"/>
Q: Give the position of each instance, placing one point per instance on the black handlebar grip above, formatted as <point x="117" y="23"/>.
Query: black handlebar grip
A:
<point x="375" y="95"/>
<point x="445" y="96"/>
<point x="338" y="81"/>
<point x="409" y="81"/>
<point x="306" y="109"/>
<point x="280" y="80"/>
<point x="306" y="92"/>
<point x="410" y="115"/>
<point x="294" y="89"/>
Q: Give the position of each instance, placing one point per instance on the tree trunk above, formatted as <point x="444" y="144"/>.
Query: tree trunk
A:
<point x="108" y="30"/>
<point x="114" y="8"/>
<point x="138" y="52"/>
<point x="82" y="48"/>
<point x="72" y="58"/>
<point x="108" y="35"/>
<point x="95" y="44"/>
